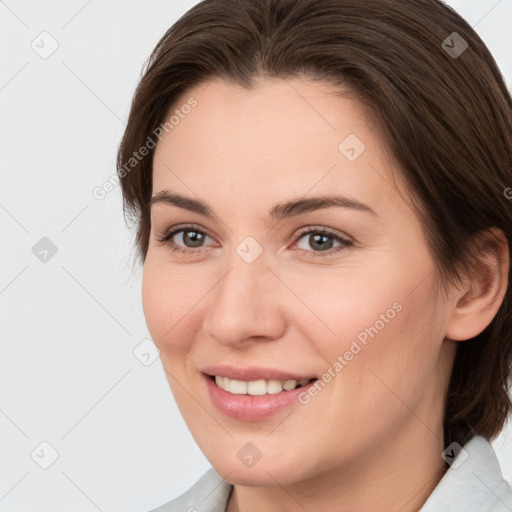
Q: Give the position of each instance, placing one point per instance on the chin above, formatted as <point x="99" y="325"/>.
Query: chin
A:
<point x="256" y="477"/>
<point x="266" y="472"/>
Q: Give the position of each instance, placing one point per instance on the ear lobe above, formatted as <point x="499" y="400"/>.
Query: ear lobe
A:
<point x="480" y="298"/>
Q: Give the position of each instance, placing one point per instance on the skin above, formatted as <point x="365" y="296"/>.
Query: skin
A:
<point x="372" y="439"/>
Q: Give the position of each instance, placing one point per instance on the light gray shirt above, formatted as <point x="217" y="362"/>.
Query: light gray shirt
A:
<point x="473" y="483"/>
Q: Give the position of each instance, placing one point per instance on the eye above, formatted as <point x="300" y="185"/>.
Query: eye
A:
<point x="321" y="239"/>
<point x="191" y="236"/>
<point x="192" y="239"/>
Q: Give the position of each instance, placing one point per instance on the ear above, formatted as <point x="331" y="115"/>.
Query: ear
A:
<point x="479" y="299"/>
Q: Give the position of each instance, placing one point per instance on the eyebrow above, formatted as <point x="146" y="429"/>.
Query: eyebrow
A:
<point x="277" y="212"/>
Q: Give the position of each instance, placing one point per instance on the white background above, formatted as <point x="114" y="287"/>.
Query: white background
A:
<point x="69" y="326"/>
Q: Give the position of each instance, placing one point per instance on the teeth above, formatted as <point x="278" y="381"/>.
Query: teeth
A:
<point x="274" y="386"/>
<point x="237" y="387"/>
<point x="257" y="387"/>
<point x="288" y="385"/>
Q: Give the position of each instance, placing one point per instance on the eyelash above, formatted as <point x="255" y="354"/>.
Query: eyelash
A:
<point x="345" y="244"/>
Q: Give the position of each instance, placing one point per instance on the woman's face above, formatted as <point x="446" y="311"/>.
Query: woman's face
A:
<point x="252" y="290"/>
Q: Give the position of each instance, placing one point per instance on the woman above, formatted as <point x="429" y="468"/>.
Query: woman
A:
<point x="319" y="193"/>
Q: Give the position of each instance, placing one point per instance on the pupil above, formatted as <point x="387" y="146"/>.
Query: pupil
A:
<point x="194" y="239"/>
<point x="321" y="245"/>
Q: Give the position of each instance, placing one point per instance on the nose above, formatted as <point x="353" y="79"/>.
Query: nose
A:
<point x="245" y="305"/>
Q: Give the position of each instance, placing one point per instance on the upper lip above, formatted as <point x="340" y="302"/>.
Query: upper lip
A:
<point x="253" y="373"/>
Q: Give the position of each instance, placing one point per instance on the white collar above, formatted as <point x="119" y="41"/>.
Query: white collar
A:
<point x="476" y="485"/>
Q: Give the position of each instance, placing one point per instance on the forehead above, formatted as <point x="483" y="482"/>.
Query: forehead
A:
<point x="290" y="137"/>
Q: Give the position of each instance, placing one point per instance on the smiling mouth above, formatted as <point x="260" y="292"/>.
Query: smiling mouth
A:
<point x="258" y="387"/>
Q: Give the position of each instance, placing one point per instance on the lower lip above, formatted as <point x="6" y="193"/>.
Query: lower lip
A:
<point x="249" y="407"/>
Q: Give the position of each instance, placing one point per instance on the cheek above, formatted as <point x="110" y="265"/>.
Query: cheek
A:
<point x="391" y="360"/>
<point x="152" y="303"/>
<point x="338" y="309"/>
<point x="382" y="322"/>
<point x="175" y="302"/>
<point x="165" y="305"/>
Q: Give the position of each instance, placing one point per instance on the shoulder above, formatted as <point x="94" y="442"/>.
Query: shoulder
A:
<point x="209" y="494"/>
<point x="473" y="483"/>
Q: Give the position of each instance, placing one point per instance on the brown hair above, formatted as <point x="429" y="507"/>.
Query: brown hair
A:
<point x="446" y="118"/>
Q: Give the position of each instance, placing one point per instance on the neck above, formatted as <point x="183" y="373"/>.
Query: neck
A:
<point x="399" y="474"/>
